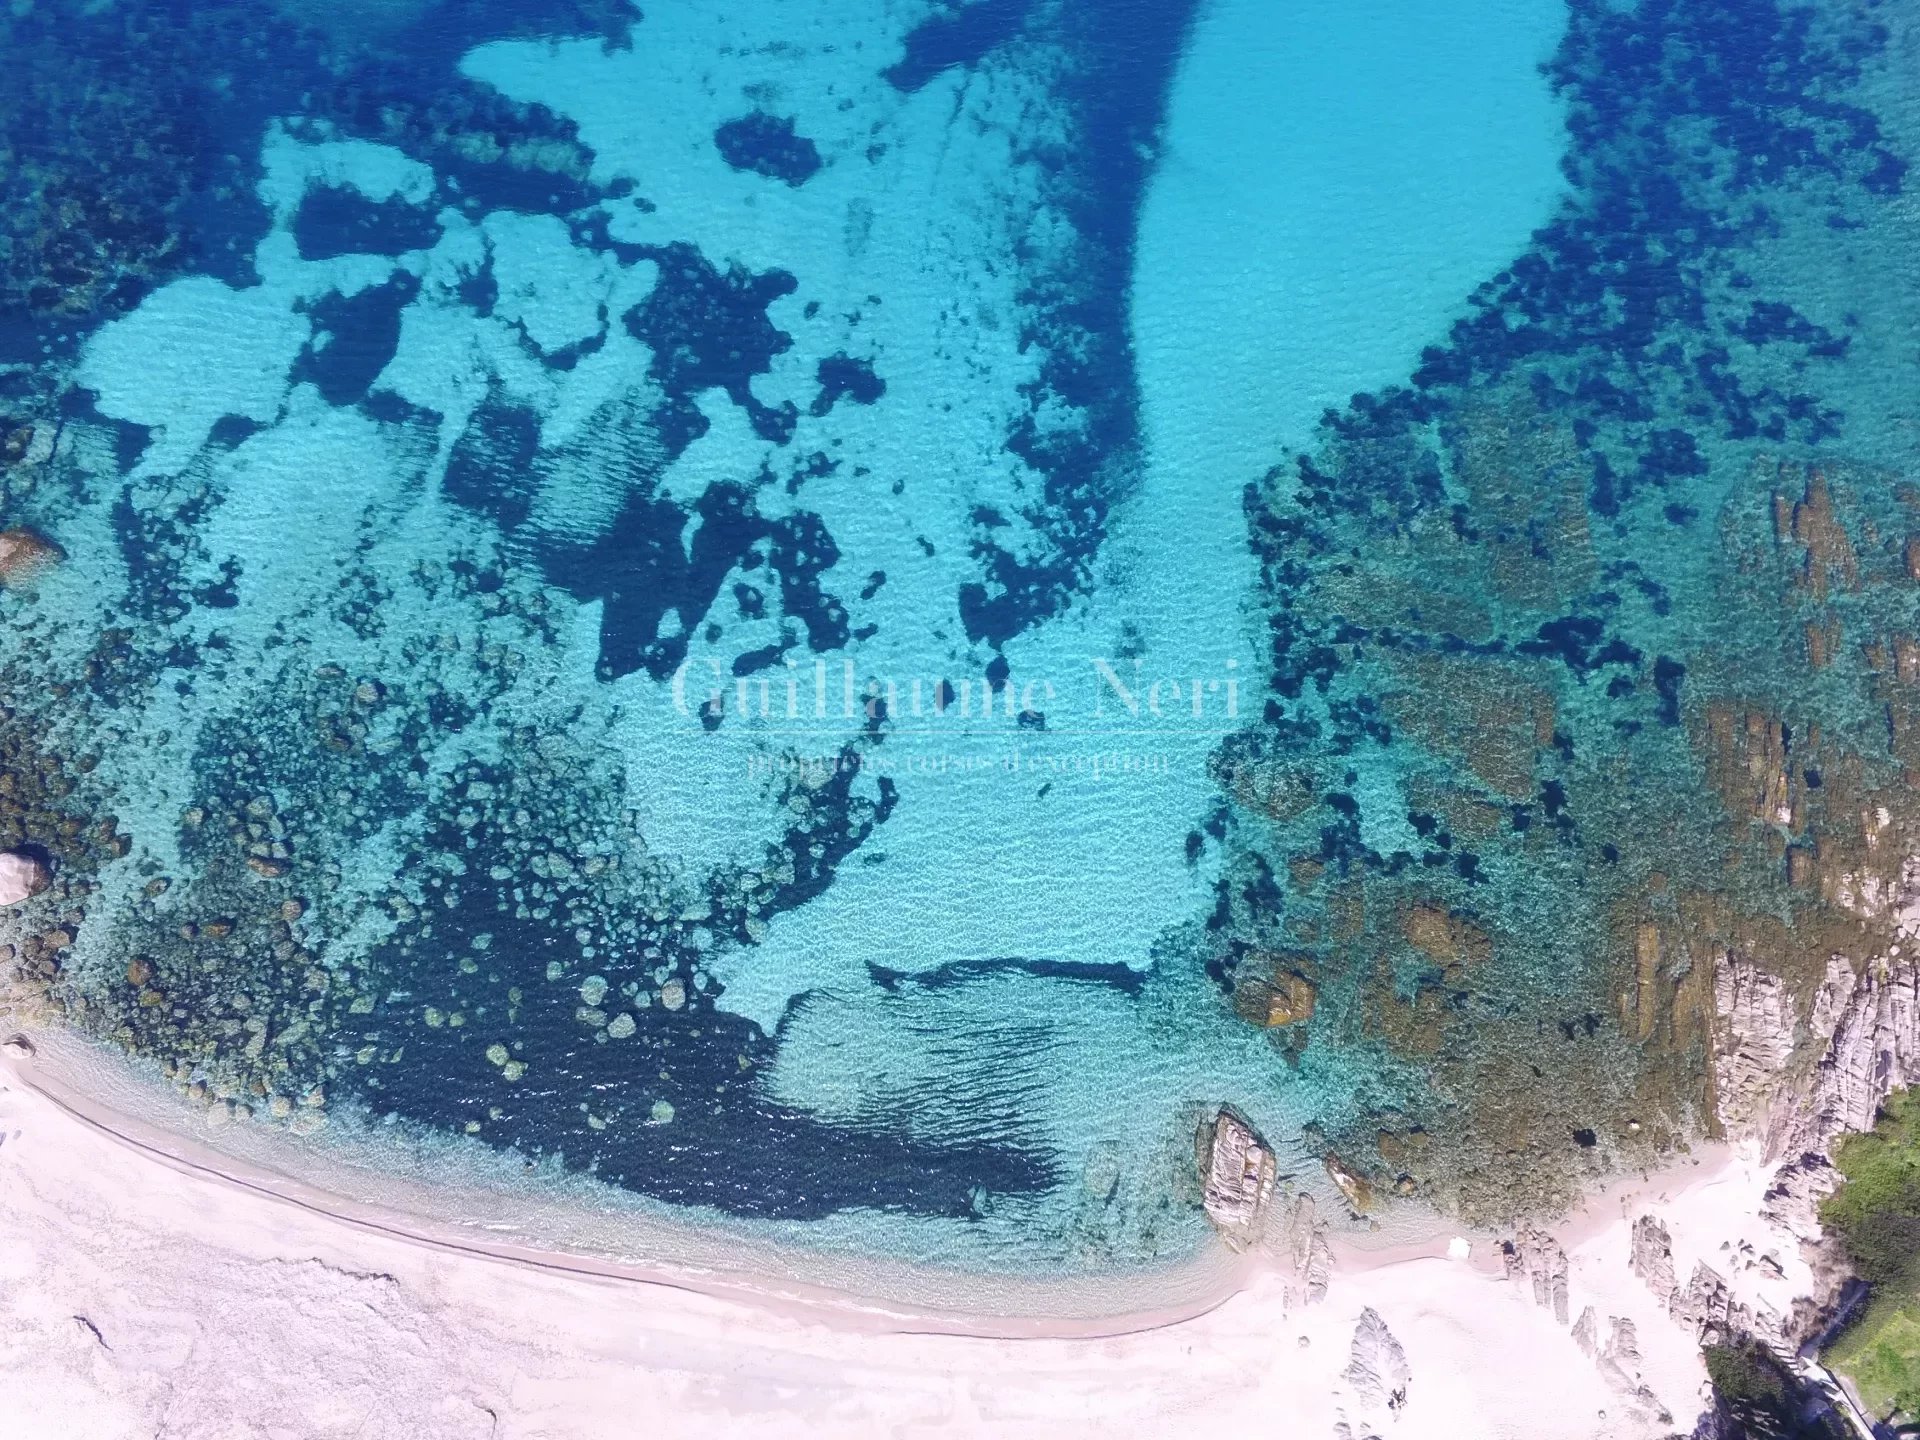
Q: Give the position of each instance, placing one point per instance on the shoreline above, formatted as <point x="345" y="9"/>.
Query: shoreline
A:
<point x="1488" y="1358"/>
<point x="780" y="1280"/>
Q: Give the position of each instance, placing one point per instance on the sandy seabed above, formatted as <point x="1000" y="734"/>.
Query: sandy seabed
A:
<point x="143" y="1294"/>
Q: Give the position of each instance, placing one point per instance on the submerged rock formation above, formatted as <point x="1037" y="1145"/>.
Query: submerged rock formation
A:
<point x="25" y="556"/>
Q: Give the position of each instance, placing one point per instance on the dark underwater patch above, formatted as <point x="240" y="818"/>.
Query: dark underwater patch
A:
<point x="842" y="377"/>
<point x="963" y="33"/>
<point x="728" y="1145"/>
<point x="647" y="577"/>
<point x="337" y="220"/>
<point x="1122" y="55"/>
<point x="768" y="145"/>
<point x="355" y="337"/>
<point x="709" y="330"/>
<point x="491" y="466"/>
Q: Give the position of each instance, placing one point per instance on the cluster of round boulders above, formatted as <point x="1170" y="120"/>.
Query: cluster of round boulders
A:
<point x="50" y="852"/>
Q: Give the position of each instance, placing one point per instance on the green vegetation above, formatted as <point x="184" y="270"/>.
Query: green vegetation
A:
<point x="1746" y="1376"/>
<point x="1880" y="1353"/>
<point x="1759" y="1400"/>
<point x="1876" y="1215"/>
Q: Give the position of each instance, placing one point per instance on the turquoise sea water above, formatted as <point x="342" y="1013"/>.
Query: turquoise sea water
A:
<point x="800" y="607"/>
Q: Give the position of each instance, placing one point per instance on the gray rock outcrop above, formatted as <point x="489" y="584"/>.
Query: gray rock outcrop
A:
<point x="1754" y="1045"/>
<point x="1304" y="1241"/>
<point x="1377" y="1367"/>
<point x="1237" y="1173"/>
<point x="1535" y="1257"/>
<point x="1586" y="1333"/>
<point x="1651" y="1257"/>
<point x="1874" y="1050"/>
<point x="1706" y="1307"/>
<point x="1862" y="1031"/>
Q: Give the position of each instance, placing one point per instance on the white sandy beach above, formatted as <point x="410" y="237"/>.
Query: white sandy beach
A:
<point x="137" y="1299"/>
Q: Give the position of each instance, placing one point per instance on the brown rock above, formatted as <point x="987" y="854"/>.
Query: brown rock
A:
<point x="25" y="556"/>
<point x="1354" y="1186"/>
<point x="15" y="442"/>
<point x="1269" y="992"/>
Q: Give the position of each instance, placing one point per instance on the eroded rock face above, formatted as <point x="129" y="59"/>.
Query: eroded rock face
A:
<point x="25" y="556"/>
<point x="1651" y="1257"/>
<point x="1237" y="1170"/>
<point x="1707" y="1308"/>
<point x="1792" y="1201"/>
<point x="1864" y="1027"/>
<point x="1377" y="1367"/>
<point x="21" y="876"/>
<point x="1875" y="1050"/>
<point x="1755" y="1042"/>
<point x="1304" y="1240"/>
<point x="1537" y="1258"/>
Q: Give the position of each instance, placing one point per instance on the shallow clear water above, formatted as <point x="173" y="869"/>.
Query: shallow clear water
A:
<point x="812" y="609"/>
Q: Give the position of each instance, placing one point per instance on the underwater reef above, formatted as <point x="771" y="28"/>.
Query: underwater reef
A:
<point x="1592" y="646"/>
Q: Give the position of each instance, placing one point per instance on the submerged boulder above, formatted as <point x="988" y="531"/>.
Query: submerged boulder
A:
<point x="1237" y="1172"/>
<point x="1354" y="1187"/>
<point x="25" y="556"/>
<point x="21" y="875"/>
<point x="1273" y="991"/>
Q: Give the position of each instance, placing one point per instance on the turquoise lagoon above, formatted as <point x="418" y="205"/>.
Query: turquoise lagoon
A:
<point x="684" y="580"/>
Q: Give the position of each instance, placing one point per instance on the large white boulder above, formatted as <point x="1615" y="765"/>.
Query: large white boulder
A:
<point x="20" y="876"/>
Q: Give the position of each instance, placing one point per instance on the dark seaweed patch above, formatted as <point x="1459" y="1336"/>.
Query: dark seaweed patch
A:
<point x="801" y="550"/>
<point x="840" y="375"/>
<point x="1123" y="54"/>
<point x="334" y="220"/>
<point x="355" y="337"/>
<point x="491" y="466"/>
<point x="709" y="331"/>
<point x="768" y="145"/>
<point x="230" y="431"/>
<point x="961" y="34"/>
<point x="657" y="592"/>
